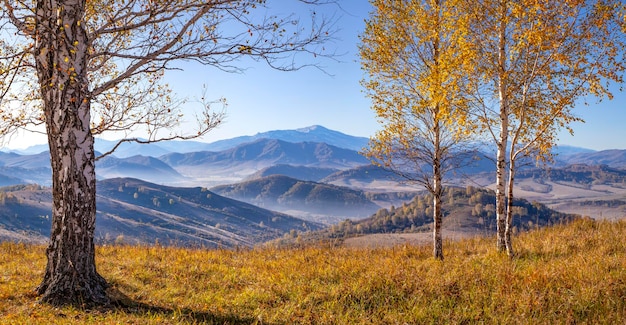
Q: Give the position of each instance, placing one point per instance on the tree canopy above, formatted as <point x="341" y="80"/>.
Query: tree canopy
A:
<point x="81" y="68"/>
<point x="535" y="62"/>
<point x="417" y="58"/>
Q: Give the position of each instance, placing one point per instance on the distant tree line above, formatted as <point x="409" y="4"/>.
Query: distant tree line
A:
<point x="471" y="206"/>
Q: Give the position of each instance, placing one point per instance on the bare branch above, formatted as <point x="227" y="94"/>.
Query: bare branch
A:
<point x="165" y="117"/>
<point x="19" y="22"/>
<point x="131" y="44"/>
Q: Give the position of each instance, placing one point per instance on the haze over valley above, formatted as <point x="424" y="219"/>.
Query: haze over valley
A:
<point x="248" y="190"/>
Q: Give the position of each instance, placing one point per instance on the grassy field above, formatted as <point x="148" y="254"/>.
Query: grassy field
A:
<point x="565" y="274"/>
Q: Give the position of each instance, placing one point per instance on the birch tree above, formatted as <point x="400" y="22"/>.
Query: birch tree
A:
<point x="81" y="68"/>
<point x="416" y="57"/>
<point x="538" y="60"/>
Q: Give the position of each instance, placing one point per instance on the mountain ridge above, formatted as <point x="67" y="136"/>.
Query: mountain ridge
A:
<point x="248" y="158"/>
<point x="139" y="212"/>
<point x="283" y="193"/>
<point x="313" y="133"/>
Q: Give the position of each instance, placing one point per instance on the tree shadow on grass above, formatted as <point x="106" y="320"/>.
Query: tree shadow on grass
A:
<point x="122" y="303"/>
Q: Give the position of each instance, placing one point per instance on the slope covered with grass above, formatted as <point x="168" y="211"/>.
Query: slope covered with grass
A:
<point x="572" y="273"/>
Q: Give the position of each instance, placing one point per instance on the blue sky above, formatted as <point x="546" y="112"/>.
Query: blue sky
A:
<point x="262" y="99"/>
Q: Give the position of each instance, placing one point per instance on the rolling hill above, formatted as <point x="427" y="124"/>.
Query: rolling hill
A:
<point x="142" y="167"/>
<point x="612" y="158"/>
<point x="35" y="169"/>
<point x="23" y="169"/>
<point x="34" y="161"/>
<point x="304" y="173"/>
<point x="138" y="212"/>
<point x="578" y="173"/>
<point x="319" y="201"/>
<point x="467" y="212"/>
<point x="6" y="180"/>
<point x="368" y="177"/>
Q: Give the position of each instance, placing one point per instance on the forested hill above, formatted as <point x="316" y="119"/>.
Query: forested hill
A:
<point x="467" y="210"/>
<point x="577" y="173"/>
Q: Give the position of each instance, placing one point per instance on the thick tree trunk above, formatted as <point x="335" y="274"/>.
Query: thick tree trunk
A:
<point x="504" y="132"/>
<point x="61" y="61"/>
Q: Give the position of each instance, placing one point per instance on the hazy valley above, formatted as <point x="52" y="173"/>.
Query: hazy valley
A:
<point x="248" y="190"/>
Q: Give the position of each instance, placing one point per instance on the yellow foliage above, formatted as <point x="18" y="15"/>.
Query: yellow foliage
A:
<point x="418" y="61"/>
<point x="555" y="52"/>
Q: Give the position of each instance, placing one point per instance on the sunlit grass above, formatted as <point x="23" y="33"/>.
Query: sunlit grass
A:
<point x="565" y="274"/>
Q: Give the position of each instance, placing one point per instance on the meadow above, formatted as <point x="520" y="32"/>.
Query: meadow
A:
<point x="565" y="274"/>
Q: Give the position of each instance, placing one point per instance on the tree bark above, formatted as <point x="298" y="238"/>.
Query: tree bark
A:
<point x="504" y="132"/>
<point x="438" y="219"/>
<point x="437" y="192"/>
<point x="501" y="194"/>
<point x="509" y="208"/>
<point x="61" y="61"/>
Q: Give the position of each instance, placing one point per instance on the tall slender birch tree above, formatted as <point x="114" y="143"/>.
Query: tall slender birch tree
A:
<point x="538" y="59"/>
<point x="85" y="67"/>
<point x="416" y="57"/>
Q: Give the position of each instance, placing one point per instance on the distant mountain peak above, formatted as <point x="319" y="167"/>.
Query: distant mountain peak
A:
<point x="313" y="133"/>
<point x="312" y="128"/>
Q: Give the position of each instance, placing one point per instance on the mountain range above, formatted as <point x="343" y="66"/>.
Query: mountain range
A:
<point x="311" y="176"/>
<point x="250" y="157"/>
<point x="314" y="133"/>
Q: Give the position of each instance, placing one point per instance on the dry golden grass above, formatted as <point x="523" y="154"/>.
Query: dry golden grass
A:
<point x="565" y="274"/>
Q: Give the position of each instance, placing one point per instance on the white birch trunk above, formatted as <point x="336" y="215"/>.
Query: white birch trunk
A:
<point x="504" y="132"/>
<point x="61" y="61"/>
<point x="509" y="209"/>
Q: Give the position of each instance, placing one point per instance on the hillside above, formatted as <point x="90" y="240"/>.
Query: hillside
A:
<point x="578" y="173"/>
<point x="467" y="212"/>
<point x="304" y="173"/>
<point x="597" y="190"/>
<point x="364" y="173"/>
<point x="134" y="211"/>
<point x="367" y="177"/>
<point x="34" y="161"/>
<point x="147" y="168"/>
<point x="615" y="158"/>
<point x="21" y="169"/>
<point x="567" y="274"/>
<point x="310" y="200"/>
<point x="6" y="180"/>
